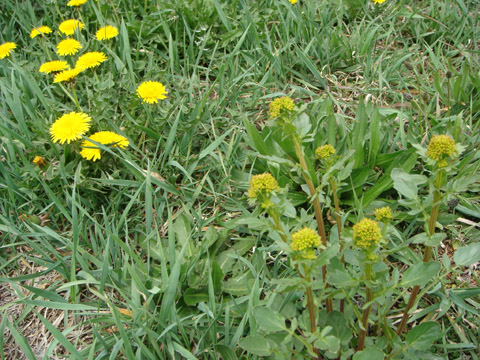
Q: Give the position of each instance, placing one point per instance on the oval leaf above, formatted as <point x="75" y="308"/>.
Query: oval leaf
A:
<point x="269" y="320"/>
<point x="369" y="354"/>
<point x="467" y="255"/>
<point x="256" y="345"/>
<point x="420" y="274"/>
<point x="422" y="336"/>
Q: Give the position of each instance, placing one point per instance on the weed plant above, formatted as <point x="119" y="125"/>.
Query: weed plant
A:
<point x="239" y="179"/>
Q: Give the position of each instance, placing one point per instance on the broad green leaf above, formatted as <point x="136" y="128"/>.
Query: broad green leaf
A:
<point x="194" y="296"/>
<point x="467" y="255"/>
<point x="369" y="354"/>
<point x="255" y="344"/>
<point x="422" y="336"/>
<point x="407" y="184"/>
<point x="420" y="274"/>
<point x="339" y="326"/>
<point x="329" y="342"/>
<point x="340" y="279"/>
<point x="225" y="352"/>
<point x="423" y="238"/>
<point x="268" y="319"/>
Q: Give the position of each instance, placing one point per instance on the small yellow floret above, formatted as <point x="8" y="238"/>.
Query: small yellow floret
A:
<point x="295" y="1"/>
<point x="378" y="1"/>
<point x="305" y="239"/>
<point x="324" y="152"/>
<point x="262" y="183"/>
<point x="40" y="31"/>
<point x="383" y="214"/>
<point x="440" y="148"/>
<point x="39" y="161"/>
<point x="277" y="105"/>
<point x="366" y="233"/>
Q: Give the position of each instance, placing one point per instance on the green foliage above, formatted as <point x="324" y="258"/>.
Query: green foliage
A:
<point x="153" y="250"/>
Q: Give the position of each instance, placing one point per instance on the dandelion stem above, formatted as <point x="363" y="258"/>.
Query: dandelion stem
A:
<point x="366" y="312"/>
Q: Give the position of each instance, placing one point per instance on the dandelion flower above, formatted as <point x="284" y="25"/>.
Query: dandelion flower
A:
<point x="151" y="91"/>
<point x="39" y="161"/>
<point x="324" y="152"/>
<point x="295" y="1"/>
<point x="53" y="66"/>
<point x="262" y="183"/>
<point x="68" y="47"/>
<point x="106" y="32"/>
<point x="70" y="127"/>
<point x="6" y="48"/>
<point x="366" y="233"/>
<point x="90" y="60"/>
<point x="68" y="27"/>
<point x="91" y="151"/>
<point x="67" y="75"/>
<point x="76" y="2"/>
<point x="383" y="214"/>
<point x="277" y="105"/>
<point x="378" y="1"/>
<point x="440" y="148"/>
<point x="40" y="31"/>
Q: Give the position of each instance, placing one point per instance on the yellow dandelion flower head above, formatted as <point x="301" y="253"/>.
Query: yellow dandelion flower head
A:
<point x="383" y="214"/>
<point x="378" y="1"/>
<point x="366" y="233"/>
<point x="40" y="31"/>
<point x="90" y="60"/>
<point x="106" y="32"/>
<point x="440" y="148"/>
<point x="262" y="184"/>
<point x="305" y="239"/>
<point x="39" y="161"/>
<point x="54" y="66"/>
<point x="6" y="48"/>
<point x="70" y="127"/>
<point x="279" y="105"/>
<point x="151" y="91"/>
<point x="293" y="1"/>
<point x="68" y="27"/>
<point x="76" y="2"/>
<point x="68" y="47"/>
<point x="324" y="152"/>
<point x="91" y="151"/>
<point x="67" y="75"/>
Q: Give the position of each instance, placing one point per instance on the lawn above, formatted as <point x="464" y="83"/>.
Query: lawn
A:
<point x="237" y="179"/>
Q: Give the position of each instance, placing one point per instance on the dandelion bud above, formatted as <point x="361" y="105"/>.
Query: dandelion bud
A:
<point x="39" y="161"/>
<point x="448" y="74"/>
<point x="277" y="105"/>
<point x="440" y="148"/>
<point x="366" y="233"/>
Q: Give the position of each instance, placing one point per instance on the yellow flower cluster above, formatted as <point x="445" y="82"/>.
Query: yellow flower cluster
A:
<point x="324" y="152"/>
<point x="383" y="214"/>
<point x="366" y="233"/>
<point x="280" y="104"/>
<point x="305" y="241"/>
<point x="262" y="184"/>
<point x="440" y="148"/>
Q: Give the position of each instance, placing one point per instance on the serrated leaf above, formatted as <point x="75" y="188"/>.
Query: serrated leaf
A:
<point x="422" y="336"/>
<point x="420" y="274"/>
<point x="268" y="319"/>
<point x="467" y="255"/>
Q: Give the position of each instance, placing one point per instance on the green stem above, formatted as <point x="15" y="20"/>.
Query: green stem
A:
<point x="76" y="98"/>
<point x="338" y="220"/>
<point x="316" y="207"/>
<point x="428" y="249"/>
<point x="366" y="312"/>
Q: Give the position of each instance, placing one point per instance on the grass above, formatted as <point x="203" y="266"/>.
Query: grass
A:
<point x="153" y="251"/>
